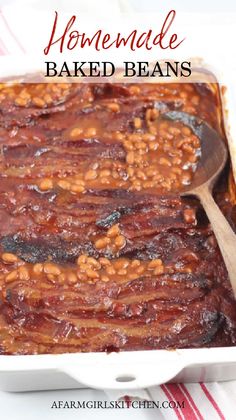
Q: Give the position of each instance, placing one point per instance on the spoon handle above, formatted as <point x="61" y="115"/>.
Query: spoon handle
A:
<point x="225" y="235"/>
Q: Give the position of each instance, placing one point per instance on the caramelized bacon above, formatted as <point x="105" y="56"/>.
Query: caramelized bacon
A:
<point x="94" y="256"/>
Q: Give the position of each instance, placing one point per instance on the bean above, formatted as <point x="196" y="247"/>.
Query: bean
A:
<point x="72" y="278"/>
<point x="83" y="266"/>
<point x="65" y="185"/>
<point x="176" y="170"/>
<point x="46" y="184"/>
<point x="107" y="164"/>
<point x="38" y="102"/>
<point x="153" y="146"/>
<point x="21" y="101"/>
<point x="188" y="148"/>
<point x="110" y="270"/>
<point x="130" y="158"/>
<point x="77" y="188"/>
<point x="190" y="216"/>
<point x="163" y="125"/>
<point x="104" y="261"/>
<point x="174" y="130"/>
<point x="9" y="258"/>
<point x="12" y="276"/>
<point x="183" y="95"/>
<point x="152" y="129"/>
<point x="151" y="172"/>
<point x="105" y="173"/>
<point x="155" y="263"/>
<point x="172" y="176"/>
<point x="130" y="172"/>
<point x="180" y="143"/>
<point x="24" y="273"/>
<point x="135" y="90"/>
<point x="48" y="99"/>
<point x="76" y="132"/>
<point x="91" y="132"/>
<point x="165" y="162"/>
<point x="105" y="279"/>
<point x="132" y="276"/>
<point x="148" y="137"/>
<point x="119" y="136"/>
<point x="94" y="263"/>
<point x="128" y="145"/>
<point x="138" y="159"/>
<point x="101" y="243"/>
<point x="82" y="259"/>
<point x="79" y="182"/>
<point x="122" y="272"/>
<point x="151" y="114"/>
<point x="114" y="107"/>
<point x="166" y="184"/>
<point x="113" y="231"/>
<point x="141" y="175"/>
<point x="186" y="178"/>
<point x="38" y="268"/>
<point x="192" y="159"/>
<point x="137" y="123"/>
<point x="135" y="263"/>
<point x="195" y="100"/>
<point x="121" y="264"/>
<point x="120" y="241"/>
<point x="50" y="268"/>
<point x="186" y="131"/>
<point x="64" y="86"/>
<point x="115" y="174"/>
<point x="140" y="145"/>
<point x="105" y="181"/>
<point x="61" y="278"/>
<point x="136" y="186"/>
<point x="159" y="270"/>
<point x="176" y="161"/>
<point x="142" y="151"/>
<point x="135" y="137"/>
<point x="148" y="184"/>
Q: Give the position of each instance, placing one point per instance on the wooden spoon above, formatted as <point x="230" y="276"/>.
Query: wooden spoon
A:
<point x="212" y="161"/>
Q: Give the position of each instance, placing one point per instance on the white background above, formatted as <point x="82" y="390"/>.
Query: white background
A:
<point x="210" y="6"/>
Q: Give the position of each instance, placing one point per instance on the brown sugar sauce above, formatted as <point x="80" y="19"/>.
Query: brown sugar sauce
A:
<point x="98" y="250"/>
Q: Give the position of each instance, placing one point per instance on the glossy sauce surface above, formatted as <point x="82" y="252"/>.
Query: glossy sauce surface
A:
<point x="98" y="251"/>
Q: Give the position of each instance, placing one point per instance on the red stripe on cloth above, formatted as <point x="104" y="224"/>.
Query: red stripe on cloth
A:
<point x="212" y="401"/>
<point x="170" y="398"/>
<point x="3" y="50"/>
<point x="178" y="395"/>
<point x="11" y="32"/>
<point x="191" y="402"/>
<point x="127" y="400"/>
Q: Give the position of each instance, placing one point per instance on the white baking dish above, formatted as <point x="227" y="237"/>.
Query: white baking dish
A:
<point x="131" y="369"/>
<point x="127" y="370"/>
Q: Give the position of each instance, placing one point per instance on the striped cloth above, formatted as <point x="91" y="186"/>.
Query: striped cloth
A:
<point x="9" y="42"/>
<point x="210" y="401"/>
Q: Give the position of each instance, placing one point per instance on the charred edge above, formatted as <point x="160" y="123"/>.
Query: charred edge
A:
<point x="58" y="251"/>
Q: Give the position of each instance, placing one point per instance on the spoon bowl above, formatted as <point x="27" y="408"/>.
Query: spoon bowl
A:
<point x="214" y="153"/>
